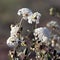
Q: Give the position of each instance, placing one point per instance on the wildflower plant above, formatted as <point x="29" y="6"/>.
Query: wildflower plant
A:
<point x="37" y="44"/>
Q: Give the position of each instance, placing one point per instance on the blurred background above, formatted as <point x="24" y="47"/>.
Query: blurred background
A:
<point x="8" y="16"/>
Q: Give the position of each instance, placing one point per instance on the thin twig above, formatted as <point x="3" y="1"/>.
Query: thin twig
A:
<point x="20" y="23"/>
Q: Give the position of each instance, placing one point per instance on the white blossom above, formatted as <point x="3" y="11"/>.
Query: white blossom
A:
<point x="52" y="24"/>
<point x="12" y="41"/>
<point x="25" y="12"/>
<point x="34" y="18"/>
<point x="36" y="31"/>
<point x="42" y="33"/>
<point x="56" y="37"/>
<point x="14" y="30"/>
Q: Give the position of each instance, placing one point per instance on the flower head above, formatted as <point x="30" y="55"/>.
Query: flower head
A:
<point x="25" y="12"/>
<point x="34" y="18"/>
<point x="12" y="41"/>
<point x="52" y="24"/>
<point x="42" y="33"/>
<point x="14" y="30"/>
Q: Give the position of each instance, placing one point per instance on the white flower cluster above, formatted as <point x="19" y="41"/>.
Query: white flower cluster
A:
<point x="52" y="24"/>
<point x="25" y="12"/>
<point x="40" y="40"/>
<point x="42" y="34"/>
<point x="13" y="40"/>
<point x="28" y="15"/>
<point x="14" y="30"/>
<point x="34" y="18"/>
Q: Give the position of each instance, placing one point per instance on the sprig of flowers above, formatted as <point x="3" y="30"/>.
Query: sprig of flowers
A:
<point x="12" y="41"/>
<point x="28" y="15"/>
<point x="42" y="34"/>
<point x="14" y="30"/>
<point x="53" y="24"/>
<point x="35" y="17"/>
<point x="25" y="12"/>
<point x="40" y="41"/>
